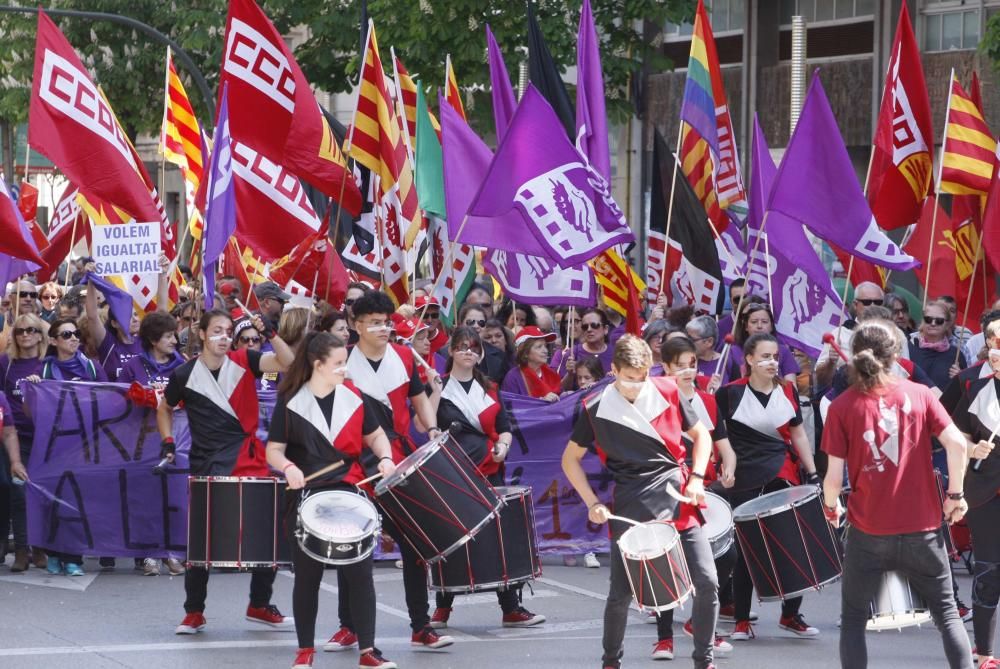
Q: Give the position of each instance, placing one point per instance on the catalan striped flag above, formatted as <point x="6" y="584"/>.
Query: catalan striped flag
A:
<point x="708" y="144"/>
<point x="377" y="143"/>
<point x="406" y="90"/>
<point x="612" y="274"/>
<point x="967" y="151"/>
<point x="180" y="144"/>
<point x="452" y="92"/>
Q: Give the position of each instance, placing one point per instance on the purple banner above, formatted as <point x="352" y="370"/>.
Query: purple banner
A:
<point x="541" y="430"/>
<point x="92" y="489"/>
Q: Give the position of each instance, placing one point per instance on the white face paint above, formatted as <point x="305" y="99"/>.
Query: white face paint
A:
<point x="686" y="374"/>
<point x="631" y="385"/>
<point x="378" y="328"/>
<point x="220" y="337"/>
<point x="768" y="366"/>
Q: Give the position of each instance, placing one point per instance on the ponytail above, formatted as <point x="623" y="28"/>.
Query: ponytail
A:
<point x="875" y="346"/>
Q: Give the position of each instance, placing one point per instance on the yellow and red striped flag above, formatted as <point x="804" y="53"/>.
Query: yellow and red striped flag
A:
<point x="612" y="274"/>
<point x="180" y="144"/>
<point x="452" y="93"/>
<point x="968" y="148"/>
<point x="408" y="97"/>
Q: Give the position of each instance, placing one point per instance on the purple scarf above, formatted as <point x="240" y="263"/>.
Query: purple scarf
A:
<point x="79" y="367"/>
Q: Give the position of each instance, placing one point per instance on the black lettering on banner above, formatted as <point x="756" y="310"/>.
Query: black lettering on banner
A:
<point x="126" y="525"/>
<point x="515" y="429"/>
<point x="54" y="513"/>
<point x="59" y="427"/>
<point x="167" y="510"/>
<point x="102" y="425"/>
<point x="146" y="428"/>
<point x="552" y="492"/>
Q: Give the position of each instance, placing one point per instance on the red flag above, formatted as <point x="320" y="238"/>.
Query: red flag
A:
<point x="273" y="109"/>
<point x="991" y="222"/>
<point x="27" y="204"/>
<point x="314" y="262"/>
<point x="71" y="123"/>
<point x="900" y="176"/>
<point x="67" y="227"/>
<point x="862" y="271"/>
<point x="12" y="239"/>
<point x="633" y="321"/>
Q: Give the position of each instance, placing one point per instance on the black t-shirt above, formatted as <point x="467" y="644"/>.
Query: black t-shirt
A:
<point x="722" y="397"/>
<point x="278" y="431"/>
<point x="583" y="430"/>
<point x="173" y="393"/>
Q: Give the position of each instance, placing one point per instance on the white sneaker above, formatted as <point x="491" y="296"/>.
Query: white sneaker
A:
<point x="150" y="567"/>
<point x="590" y="561"/>
<point x="175" y="567"/>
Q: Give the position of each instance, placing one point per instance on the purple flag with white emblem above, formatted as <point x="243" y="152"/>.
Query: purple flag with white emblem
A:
<point x="817" y="186"/>
<point x="220" y="199"/>
<point x="565" y="204"/>
<point x="504" y="101"/>
<point x="591" y="114"/>
<point x="804" y="301"/>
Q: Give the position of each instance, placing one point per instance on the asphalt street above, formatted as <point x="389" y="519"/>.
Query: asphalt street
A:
<point x="123" y="619"/>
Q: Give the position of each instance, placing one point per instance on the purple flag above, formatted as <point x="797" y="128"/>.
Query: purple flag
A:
<point x="120" y="304"/>
<point x="817" y="186"/>
<point x="535" y="280"/>
<point x="566" y="205"/>
<point x="220" y="199"/>
<point x="732" y="253"/>
<point x="591" y="115"/>
<point x="11" y="267"/>
<point x="804" y="301"/>
<point x="504" y="102"/>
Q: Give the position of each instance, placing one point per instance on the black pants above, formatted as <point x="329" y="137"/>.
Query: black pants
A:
<point x="196" y="588"/>
<point x="742" y="583"/>
<point x="509" y="599"/>
<point x="414" y="584"/>
<point x="984" y="523"/>
<point x="724" y="565"/>
<point x="357" y="579"/>
<point x="922" y="558"/>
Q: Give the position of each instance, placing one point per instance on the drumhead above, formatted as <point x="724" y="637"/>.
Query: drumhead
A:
<point x="410" y="464"/>
<point x="338" y="516"/>
<point x="775" y="502"/>
<point x="718" y="515"/>
<point x="648" y="540"/>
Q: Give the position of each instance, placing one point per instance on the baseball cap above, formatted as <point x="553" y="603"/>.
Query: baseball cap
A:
<point x="532" y="332"/>
<point x="408" y="328"/>
<point x="269" y="289"/>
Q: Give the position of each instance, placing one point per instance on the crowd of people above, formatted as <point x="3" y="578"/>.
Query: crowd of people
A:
<point x="747" y="415"/>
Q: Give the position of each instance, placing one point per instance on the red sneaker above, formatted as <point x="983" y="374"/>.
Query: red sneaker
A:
<point x="743" y="631"/>
<point x="992" y="663"/>
<point x="304" y="658"/>
<point x="797" y="625"/>
<point x="522" y="617"/>
<point x="728" y="614"/>
<point x="341" y="640"/>
<point x="192" y="624"/>
<point x="373" y="658"/>
<point x="269" y="615"/>
<point x="440" y="618"/>
<point x="428" y="638"/>
<point x="663" y="650"/>
<point x="721" y="647"/>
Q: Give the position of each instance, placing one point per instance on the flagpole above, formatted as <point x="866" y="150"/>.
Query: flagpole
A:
<point x="968" y="301"/>
<point x="312" y="296"/>
<point x="450" y="258"/>
<point x="850" y="263"/>
<point x="69" y="254"/>
<point x="670" y="207"/>
<point x="937" y="188"/>
<point x="770" y="291"/>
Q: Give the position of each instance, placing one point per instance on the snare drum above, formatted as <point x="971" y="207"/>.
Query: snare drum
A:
<point x="505" y="553"/>
<point x="337" y="527"/>
<point x="787" y="543"/>
<point x="234" y="521"/>
<point x="437" y="498"/>
<point x="718" y="527"/>
<point x="897" y="605"/>
<point x="655" y="564"/>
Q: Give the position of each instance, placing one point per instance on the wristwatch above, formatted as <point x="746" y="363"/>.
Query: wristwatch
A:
<point x="956" y="496"/>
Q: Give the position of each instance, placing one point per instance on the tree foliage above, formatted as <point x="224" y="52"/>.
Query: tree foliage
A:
<point x="129" y="66"/>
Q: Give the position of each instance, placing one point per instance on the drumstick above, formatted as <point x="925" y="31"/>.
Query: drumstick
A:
<point x="368" y="480"/>
<point x="329" y="468"/>
<point x="828" y="338"/>
<point x="420" y="360"/>
<point x="977" y="463"/>
<point x="243" y="307"/>
<point x="623" y="519"/>
<point x="725" y="353"/>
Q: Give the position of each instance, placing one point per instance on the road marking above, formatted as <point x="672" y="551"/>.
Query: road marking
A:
<point x="587" y="593"/>
<point x="385" y="608"/>
<point x="491" y="597"/>
<point x="43" y="579"/>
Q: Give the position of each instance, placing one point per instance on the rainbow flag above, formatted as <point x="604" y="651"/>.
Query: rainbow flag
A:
<point x="968" y="148"/>
<point x="708" y="144"/>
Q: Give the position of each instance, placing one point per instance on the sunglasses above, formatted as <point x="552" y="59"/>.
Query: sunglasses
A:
<point x="25" y="294"/>
<point x="49" y="297"/>
<point x="474" y="350"/>
<point x="69" y="334"/>
<point x="930" y="320"/>
<point x="591" y="326"/>
<point x="349" y="302"/>
<point x="249" y="340"/>
<point x="472" y="321"/>
<point x="434" y="315"/>
<point x="870" y="303"/>
<point x="26" y="331"/>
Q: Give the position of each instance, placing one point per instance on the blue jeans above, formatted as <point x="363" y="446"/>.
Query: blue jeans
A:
<point x="922" y="558"/>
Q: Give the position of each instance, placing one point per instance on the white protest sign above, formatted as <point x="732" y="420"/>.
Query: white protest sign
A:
<point x="132" y="248"/>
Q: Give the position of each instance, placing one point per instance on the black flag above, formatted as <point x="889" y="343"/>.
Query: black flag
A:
<point x="546" y="77"/>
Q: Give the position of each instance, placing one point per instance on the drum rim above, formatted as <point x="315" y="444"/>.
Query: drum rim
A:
<point x="340" y="563"/>
<point x="811" y="588"/>
<point x="235" y="479"/>
<point x="916" y="617"/>
<point x="484" y="587"/>
<point x="664" y="551"/>
<point x="520" y="491"/>
<point x="376" y="519"/>
<point x="236" y="564"/>
<point x="725" y="548"/>
<point x="739" y="518"/>
<point x="425" y="453"/>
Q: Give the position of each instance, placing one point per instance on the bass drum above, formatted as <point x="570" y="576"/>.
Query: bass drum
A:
<point x="337" y="527"/>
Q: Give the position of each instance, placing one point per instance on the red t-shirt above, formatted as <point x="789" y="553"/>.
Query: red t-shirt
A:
<point x="886" y="440"/>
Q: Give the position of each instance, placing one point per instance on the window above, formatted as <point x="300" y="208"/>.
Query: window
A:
<point x="951" y="24"/>
<point x="816" y="11"/>
<point x="725" y="15"/>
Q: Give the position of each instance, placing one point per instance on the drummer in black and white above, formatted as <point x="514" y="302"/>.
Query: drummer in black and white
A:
<point x="881" y="429"/>
<point x="320" y="419"/>
<point x="635" y="426"/>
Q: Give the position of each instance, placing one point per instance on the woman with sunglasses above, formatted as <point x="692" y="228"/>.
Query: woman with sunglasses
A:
<point x="496" y="360"/>
<point x="64" y="362"/>
<point x="931" y="348"/>
<point x="117" y="343"/>
<point x="470" y="402"/>
<point x="755" y="319"/>
<point x="320" y="418"/>
<point x="49" y="295"/>
<point x="764" y="423"/>
<point x="25" y="350"/>
<point x="593" y="343"/>
<point x="246" y="336"/>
